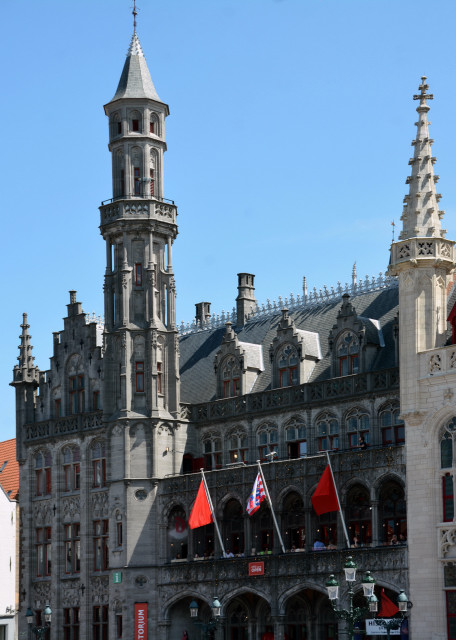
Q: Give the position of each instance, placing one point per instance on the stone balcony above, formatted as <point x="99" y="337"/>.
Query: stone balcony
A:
<point x="437" y="362"/>
<point x="422" y="249"/>
<point x="138" y="208"/>
<point x="384" y="562"/>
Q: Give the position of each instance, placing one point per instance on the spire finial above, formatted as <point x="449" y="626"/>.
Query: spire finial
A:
<point x="423" y="96"/>
<point x="135" y="13"/>
<point x="393" y="224"/>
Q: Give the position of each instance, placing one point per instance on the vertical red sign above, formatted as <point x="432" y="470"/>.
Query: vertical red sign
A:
<point x="140" y="621"/>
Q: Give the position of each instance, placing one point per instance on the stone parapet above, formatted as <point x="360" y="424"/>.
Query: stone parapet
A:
<point x="138" y="209"/>
<point x="437" y="362"/>
<point x="309" y="394"/>
<point x="81" y="422"/>
<point x="437" y="251"/>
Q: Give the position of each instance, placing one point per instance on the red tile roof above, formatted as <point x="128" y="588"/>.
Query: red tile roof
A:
<point x="9" y="468"/>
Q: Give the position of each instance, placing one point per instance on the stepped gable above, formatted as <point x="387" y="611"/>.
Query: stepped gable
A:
<point x="198" y="350"/>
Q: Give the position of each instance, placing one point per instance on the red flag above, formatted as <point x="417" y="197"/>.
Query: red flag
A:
<point x="201" y="512"/>
<point x="387" y="607"/>
<point x="324" y="498"/>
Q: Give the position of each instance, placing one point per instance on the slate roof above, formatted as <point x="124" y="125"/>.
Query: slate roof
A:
<point x="197" y="350"/>
<point x="9" y="468"/>
<point x="135" y="81"/>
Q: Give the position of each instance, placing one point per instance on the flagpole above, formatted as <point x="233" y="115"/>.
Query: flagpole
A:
<point x="208" y="496"/>
<point x="338" y="502"/>
<point x="270" y="504"/>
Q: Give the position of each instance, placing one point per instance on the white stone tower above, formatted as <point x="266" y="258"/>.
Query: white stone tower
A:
<point x="422" y="259"/>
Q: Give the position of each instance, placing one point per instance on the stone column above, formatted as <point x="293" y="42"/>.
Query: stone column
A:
<point x="375" y="524"/>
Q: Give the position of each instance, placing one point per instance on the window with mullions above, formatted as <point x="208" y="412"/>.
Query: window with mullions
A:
<point x="268" y="442"/>
<point x="288" y="366"/>
<point x="231" y="375"/>
<point x="43" y="463"/>
<point x="328" y="433"/>
<point x="238" y="447"/>
<point x="43" y="551"/>
<point x="71" y="621"/>
<point x="212" y="454"/>
<point x="357" y="428"/>
<point x="393" y="430"/>
<point x="348" y="354"/>
<point x="100" y="622"/>
<point x="71" y="469"/>
<point x="392" y="511"/>
<point x="98" y="464"/>
<point x="359" y="514"/>
<point x="295" y="435"/>
<point x="72" y="542"/>
<point x="100" y="545"/>
<point x="76" y="394"/>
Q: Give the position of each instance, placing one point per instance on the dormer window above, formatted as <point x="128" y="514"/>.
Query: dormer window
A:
<point x="231" y="378"/>
<point x="288" y="366"/>
<point x="348" y="354"/>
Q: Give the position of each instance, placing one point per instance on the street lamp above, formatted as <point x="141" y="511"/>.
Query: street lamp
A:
<point x="39" y="630"/>
<point x="206" y="626"/>
<point x="354" y="615"/>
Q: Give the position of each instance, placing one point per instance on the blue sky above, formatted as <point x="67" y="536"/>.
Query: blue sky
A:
<point x="288" y="144"/>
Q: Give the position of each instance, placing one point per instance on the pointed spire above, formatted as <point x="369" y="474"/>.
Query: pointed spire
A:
<point x="354" y="276"/>
<point x="135" y="81"/>
<point x="421" y="215"/>
<point x="25" y="357"/>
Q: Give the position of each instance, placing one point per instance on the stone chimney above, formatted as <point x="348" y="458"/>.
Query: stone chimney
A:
<point x="246" y="303"/>
<point x="203" y="312"/>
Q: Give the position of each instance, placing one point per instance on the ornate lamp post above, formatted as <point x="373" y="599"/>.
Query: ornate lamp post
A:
<point x="206" y="626"/>
<point x="39" y="630"/>
<point x="353" y="615"/>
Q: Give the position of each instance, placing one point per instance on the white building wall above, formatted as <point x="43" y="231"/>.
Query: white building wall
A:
<point x="7" y="566"/>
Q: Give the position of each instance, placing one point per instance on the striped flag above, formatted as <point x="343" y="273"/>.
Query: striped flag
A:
<point x="256" y="497"/>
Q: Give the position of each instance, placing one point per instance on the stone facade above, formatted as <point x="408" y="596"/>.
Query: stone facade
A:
<point x="111" y="438"/>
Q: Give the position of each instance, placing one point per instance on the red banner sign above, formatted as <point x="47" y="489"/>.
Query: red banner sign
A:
<point x="256" y="568"/>
<point x="140" y="621"/>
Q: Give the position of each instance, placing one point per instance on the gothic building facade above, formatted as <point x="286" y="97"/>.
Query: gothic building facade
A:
<point x="111" y="438"/>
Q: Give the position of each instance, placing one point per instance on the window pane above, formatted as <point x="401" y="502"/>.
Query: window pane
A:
<point x="446" y="451"/>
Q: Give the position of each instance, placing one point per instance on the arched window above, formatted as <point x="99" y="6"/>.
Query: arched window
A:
<point x="71" y="469"/>
<point x="238" y="446"/>
<point x="392" y="510"/>
<point x="358" y="423"/>
<point x="347" y="353"/>
<point x="359" y="515"/>
<point x="98" y="454"/>
<point x="116" y="125"/>
<point x="295" y="435"/>
<point x="43" y="464"/>
<point x="328" y="432"/>
<point x="294" y="521"/>
<point x="135" y="122"/>
<point x="287" y="361"/>
<point x="231" y="377"/>
<point x="296" y="618"/>
<point x="233" y="527"/>
<point x="154" y="124"/>
<point x="447" y="444"/>
<point x="263" y="534"/>
<point x="267" y="441"/>
<point x="212" y="447"/>
<point x="177" y="532"/>
<point x="393" y="430"/>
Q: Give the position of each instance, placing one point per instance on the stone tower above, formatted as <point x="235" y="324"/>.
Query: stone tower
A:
<point x="422" y="259"/>
<point x="139" y="227"/>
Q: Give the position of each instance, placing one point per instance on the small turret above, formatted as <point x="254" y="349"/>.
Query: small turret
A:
<point x="246" y="302"/>
<point x="25" y="371"/>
